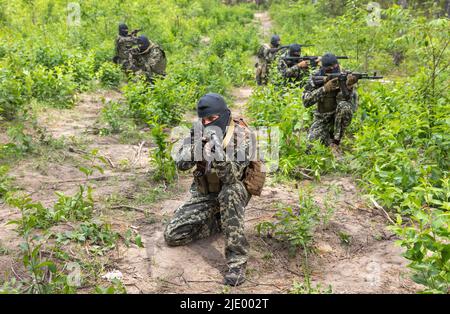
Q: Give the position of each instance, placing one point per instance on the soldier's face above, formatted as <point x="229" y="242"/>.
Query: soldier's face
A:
<point x="210" y="119"/>
<point x="331" y="68"/>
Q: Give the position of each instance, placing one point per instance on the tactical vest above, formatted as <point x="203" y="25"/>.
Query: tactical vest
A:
<point x="328" y="103"/>
<point x="160" y="66"/>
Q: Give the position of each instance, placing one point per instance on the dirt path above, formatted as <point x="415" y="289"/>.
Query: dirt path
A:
<point x="367" y="261"/>
<point x="266" y="23"/>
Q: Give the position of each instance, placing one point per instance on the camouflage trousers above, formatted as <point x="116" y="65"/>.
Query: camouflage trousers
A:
<point x="203" y="216"/>
<point x="331" y="125"/>
<point x="262" y="73"/>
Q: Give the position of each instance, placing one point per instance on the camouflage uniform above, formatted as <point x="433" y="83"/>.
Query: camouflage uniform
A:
<point x="333" y="114"/>
<point x="123" y="46"/>
<point x="266" y="55"/>
<point x="290" y="71"/>
<point x="207" y="214"/>
<point x="150" y="62"/>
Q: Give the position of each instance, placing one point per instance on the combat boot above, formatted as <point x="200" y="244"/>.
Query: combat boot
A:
<point x="235" y="276"/>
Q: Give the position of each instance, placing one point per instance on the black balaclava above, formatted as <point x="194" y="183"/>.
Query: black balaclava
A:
<point x="212" y="104"/>
<point x="295" y="50"/>
<point x="328" y="60"/>
<point x="275" y="41"/>
<point x="123" y="29"/>
<point x="144" y="43"/>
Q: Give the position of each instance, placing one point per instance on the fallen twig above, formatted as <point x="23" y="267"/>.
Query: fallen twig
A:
<point x="138" y="154"/>
<point x="110" y="161"/>
<point x="306" y="176"/>
<point x="205" y="281"/>
<point x="378" y="206"/>
<point x="12" y="268"/>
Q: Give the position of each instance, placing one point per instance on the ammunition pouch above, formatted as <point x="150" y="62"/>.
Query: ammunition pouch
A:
<point x="206" y="182"/>
<point x="255" y="177"/>
<point x="328" y="103"/>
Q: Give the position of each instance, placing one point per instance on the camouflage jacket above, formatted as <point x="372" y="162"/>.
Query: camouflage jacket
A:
<point x="124" y="45"/>
<point x="290" y="70"/>
<point x="150" y="61"/>
<point x="313" y="94"/>
<point x="265" y="55"/>
<point x="240" y="151"/>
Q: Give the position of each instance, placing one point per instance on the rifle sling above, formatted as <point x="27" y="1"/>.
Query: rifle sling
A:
<point x="229" y="135"/>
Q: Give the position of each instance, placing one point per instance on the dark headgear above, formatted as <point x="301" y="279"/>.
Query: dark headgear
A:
<point x="212" y="104"/>
<point x="328" y="60"/>
<point x="295" y="49"/>
<point x="275" y="40"/>
<point x="123" y="29"/>
<point x="144" y="43"/>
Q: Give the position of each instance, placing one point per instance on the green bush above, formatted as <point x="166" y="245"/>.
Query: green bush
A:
<point x="15" y="91"/>
<point x="53" y="86"/>
<point x="110" y="74"/>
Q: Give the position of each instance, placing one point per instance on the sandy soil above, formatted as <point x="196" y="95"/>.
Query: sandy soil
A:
<point x="369" y="263"/>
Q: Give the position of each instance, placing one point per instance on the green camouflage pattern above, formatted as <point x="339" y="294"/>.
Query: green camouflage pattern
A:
<point x="328" y="126"/>
<point x="265" y="57"/>
<point x="205" y="215"/>
<point x="290" y="71"/>
<point x="123" y="46"/>
<point x="151" y="62"/>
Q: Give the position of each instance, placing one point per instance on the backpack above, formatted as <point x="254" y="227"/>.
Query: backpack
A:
<point x="262" y="51"/>
<point x="255" y="174"/>
<point x="160" y="67"/>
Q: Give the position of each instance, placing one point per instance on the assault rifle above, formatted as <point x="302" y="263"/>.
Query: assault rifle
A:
<point x="134" y="32"/>
<point x="342" y="79"/>
<point x="312" y="59"/>
<point x="272" y="50"/>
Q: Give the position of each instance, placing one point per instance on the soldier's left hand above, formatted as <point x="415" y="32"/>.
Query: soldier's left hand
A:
<point x="303" y="64"/>
<point x="351" y="80"/>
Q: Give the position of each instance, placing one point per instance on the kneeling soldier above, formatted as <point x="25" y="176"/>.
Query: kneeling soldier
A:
<point x="219" y="192"/>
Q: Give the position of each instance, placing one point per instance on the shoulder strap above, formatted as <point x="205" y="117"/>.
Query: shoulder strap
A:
<point x="229" y="134"/>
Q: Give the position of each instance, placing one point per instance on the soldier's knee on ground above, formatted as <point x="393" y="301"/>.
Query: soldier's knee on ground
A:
<point x="176" y="236"/>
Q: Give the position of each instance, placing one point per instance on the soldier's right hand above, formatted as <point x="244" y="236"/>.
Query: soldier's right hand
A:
<point x="331" y="85"/>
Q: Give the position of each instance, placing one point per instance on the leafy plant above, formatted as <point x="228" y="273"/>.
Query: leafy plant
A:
<point x="100" y="237"/>
<point x="160" y="155"/>
<point x="425" y="241"/>
<point x="110" y="74"/>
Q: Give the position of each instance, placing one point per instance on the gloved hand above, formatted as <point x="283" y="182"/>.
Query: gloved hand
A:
<point x="214" y="144"/>
<point x="303" y="64"/>
<point x="331" y="85"/>
<point x="351" y="80"/>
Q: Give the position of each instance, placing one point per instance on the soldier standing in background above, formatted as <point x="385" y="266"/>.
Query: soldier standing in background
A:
<point x="266" y="55"/>
<point x="124" y="42"/>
